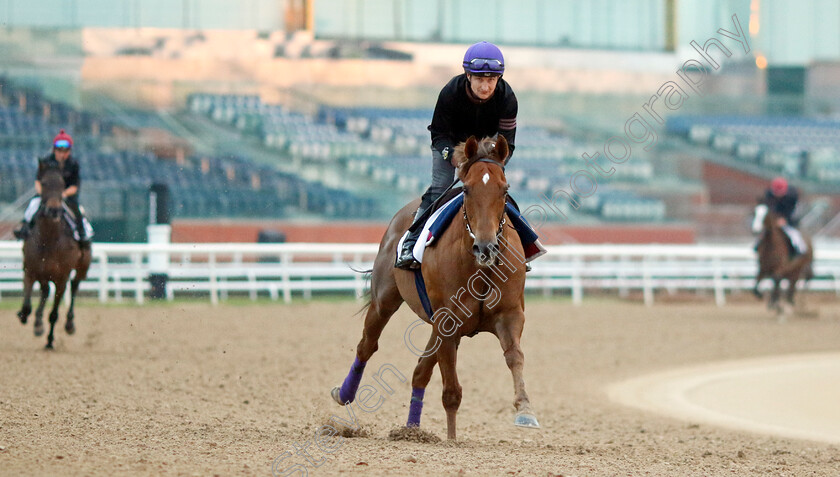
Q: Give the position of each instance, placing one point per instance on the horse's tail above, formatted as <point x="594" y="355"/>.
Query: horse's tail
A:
<point x="366" y="274"/>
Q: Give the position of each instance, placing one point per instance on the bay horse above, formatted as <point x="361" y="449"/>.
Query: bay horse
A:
<point x="474" y="277"/>
<point x="50" y="253"/>
<point x="775" y="259"/>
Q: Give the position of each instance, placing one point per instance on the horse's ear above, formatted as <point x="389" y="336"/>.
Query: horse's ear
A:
<point x="471" y="147"/>
<point x="502" y="148"/>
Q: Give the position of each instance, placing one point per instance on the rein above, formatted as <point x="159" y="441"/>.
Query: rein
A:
<point x="502" y="219"/>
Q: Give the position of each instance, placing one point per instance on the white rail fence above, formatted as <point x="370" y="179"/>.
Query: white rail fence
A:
<point x="219" y="271"/>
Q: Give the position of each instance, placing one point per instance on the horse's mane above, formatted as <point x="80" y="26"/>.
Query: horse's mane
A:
<point x="486" y="150"/>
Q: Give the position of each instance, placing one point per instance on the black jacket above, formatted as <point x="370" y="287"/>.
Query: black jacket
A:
<point x="456" y="117"/>
<point x="70" y="171"/>
<point x="785" y="205"/>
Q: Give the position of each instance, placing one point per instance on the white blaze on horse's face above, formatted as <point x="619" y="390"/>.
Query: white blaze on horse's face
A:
<point x="484" y="209"/>
<point x="758" y="219"/>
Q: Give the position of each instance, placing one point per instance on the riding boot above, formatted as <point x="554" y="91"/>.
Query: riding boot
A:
<point x="22" y="232"/>
<point x="84" y="241"/>
<point x="406" y="259"/>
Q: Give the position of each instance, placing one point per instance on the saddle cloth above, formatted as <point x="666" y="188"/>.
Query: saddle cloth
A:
<point x="796" y="239"/>
<point x="440" y="219"/>
<point x="69" y="218"/>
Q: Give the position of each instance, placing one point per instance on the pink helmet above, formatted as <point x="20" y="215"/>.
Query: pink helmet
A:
<point x="779" y="186"/>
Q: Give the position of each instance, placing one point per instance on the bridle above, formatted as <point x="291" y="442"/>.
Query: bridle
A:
<point x="502" y="219"/>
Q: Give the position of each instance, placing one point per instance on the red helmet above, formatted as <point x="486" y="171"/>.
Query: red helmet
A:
<point x="779" y="186"/>
<point x="63" y="140"/>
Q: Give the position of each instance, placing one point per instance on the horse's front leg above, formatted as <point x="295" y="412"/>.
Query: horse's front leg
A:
<point x="447" y="356"/>
<point x="26" y="307"/>
<point x="70" y="326"/>
<point x="39" y="312"/>
<point x="60" y="287"/>
<point x="509" y="332"/>
<point x="422" y="375"/>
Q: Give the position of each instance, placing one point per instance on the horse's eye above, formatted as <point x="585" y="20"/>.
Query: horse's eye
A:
<point x="466" y="190"/>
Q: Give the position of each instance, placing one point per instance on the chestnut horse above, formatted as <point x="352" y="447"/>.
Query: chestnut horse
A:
<point x="50" y="253"/>
<point x="775" y="261"/>
<point x="475" y="279"/>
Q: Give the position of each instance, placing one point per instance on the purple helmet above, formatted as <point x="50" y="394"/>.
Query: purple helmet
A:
<point x="484" y="57"/>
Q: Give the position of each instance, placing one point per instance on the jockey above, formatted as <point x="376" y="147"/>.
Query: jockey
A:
<point x="61" y="159"/>
<point x="476" y="103"/>
<point x="782" y="199"/>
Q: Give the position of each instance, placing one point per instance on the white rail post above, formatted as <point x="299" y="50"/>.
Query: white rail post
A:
<point x="720" y="292"/>
<point x="214" y="285"/>
<point x="137" y="260"/>
<point x="647" y="281"/>
<point x="577" y="281"/>
<point x="104" y="279"/>
<point x="252" y="282"/>
<point x="285" y="260"/>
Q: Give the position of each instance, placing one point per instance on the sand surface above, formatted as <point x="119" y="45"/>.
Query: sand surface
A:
<point x="189" y="389"/>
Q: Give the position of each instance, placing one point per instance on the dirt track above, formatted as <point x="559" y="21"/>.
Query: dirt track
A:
<point x="195" y="390"/>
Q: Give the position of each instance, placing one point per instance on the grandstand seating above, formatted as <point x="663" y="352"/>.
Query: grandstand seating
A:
<point x="200" y="186"/>
<point x="391" y="147"/>
<point x="808" y="148"/>
<point x="387" y="146"/>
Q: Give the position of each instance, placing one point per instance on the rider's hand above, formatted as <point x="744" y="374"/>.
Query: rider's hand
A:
<point x="446" y="155"/>
<point x="781" y="222"/>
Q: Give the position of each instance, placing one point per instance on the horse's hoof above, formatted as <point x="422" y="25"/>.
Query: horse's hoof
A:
<point x="336" y="395"/>
<point x="22" y="317"/>
<point x="49" y="347"/>
<point x="39" y="329"/>
<point x="526" y="419"/>
<point x="70" y="328"/>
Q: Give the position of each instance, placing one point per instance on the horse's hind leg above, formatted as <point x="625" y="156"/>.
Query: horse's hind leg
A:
<point x="773" y="303"/>
<point x="39" y="312"/>
<point x="60" y="287"/>
<point x="422" y="375"/>
<point x="70" y="326"/>
<point x="26" y="307"/>
<point x="509" y="333"/>
<point x="385" y="300"/>
<point x="761" y="276"/>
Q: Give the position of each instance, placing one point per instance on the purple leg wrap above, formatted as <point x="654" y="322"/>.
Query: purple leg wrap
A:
<point x="416" y="407"/>
<point x="351" y="382"/>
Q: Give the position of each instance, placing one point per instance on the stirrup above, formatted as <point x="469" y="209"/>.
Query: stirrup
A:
<point x="407" y="263"/>
<point x="405" y="260"/>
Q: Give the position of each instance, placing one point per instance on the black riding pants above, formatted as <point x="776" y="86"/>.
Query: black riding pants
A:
<point x="73" y="204"/>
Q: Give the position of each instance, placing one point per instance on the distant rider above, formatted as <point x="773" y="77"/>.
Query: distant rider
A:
<point x="782" y="198"/>
<point x="62" y="159"/>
